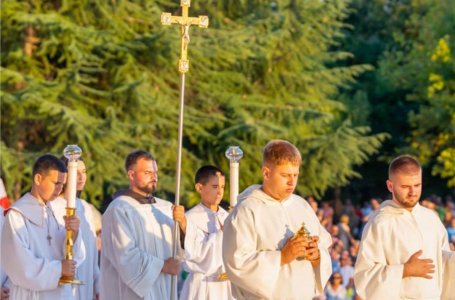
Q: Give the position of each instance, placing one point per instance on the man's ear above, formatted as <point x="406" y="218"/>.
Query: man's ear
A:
<point x="37" y="179"/>
<point x="198" y="187"/>
<point x="131" y="175"/>
<point x="265" y="172"/>
<point x="389" y="184"/>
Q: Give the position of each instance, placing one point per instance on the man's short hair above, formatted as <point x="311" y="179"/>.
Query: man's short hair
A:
<point x="46" y="163"/>
<point x="278" y="152"/>
<point x="404" y="164"/>
<point x="134" y="156"/>
<point x="204" y="174"/>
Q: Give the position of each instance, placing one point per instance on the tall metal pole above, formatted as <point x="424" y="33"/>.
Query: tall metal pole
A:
<point x="185" y="22"/>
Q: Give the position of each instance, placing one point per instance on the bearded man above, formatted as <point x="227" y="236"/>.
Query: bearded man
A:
<point x="404" y="252"/>
<point x="136" y="258"/>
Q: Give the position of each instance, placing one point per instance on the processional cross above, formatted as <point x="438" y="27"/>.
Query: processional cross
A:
<point x="185" y="22"/>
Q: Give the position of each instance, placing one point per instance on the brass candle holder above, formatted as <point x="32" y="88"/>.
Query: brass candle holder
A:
<point x="69" y="252"/>
<point x="72" y="153"/>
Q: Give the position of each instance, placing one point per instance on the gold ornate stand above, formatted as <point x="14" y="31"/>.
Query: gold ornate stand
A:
<point x="69" y="252"/>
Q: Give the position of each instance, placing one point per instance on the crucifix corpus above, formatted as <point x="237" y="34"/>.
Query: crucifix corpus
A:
<point x="185" y="22"/>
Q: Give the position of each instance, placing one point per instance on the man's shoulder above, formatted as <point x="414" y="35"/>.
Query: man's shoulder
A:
<point x="383" y="221"/>
<point x="299" y="199"/>
<point x="250" y="203"/>
<point x="195" y="211"/>
<point x="27" y="207"/>
<point x="120" y="203"/>
<point x="428" y="213"/>
<point x="163" y="202"/>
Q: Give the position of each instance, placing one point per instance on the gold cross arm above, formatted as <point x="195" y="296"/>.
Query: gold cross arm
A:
<point x="185" y="22"/>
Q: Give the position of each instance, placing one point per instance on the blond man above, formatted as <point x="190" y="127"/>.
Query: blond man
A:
<point x="261" y="251"/>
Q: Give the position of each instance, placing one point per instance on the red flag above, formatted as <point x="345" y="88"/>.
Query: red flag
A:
<point x="4" y="201"/>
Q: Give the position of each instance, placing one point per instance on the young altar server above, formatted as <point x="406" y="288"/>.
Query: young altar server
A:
<point x="88" y="272"/>
<point x="263" y="255"/>
<point x="404" y="252"/>
<point x="33" y="242"/>
<point x="203" y="260"/>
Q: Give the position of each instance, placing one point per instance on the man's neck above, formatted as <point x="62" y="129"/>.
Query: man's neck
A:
<point x="36" y="195"/>
<point x="267" y="191"/>
<point x="213" y="208"/>
<point x="137" y="191"/>
<point x="147" y="199"/>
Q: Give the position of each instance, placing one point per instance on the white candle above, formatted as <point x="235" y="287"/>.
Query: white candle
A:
<point x="234" y="154"/>
<point x="71" y="183"/>
<point x="233" y="183"/>
<point x="72" y="153"/>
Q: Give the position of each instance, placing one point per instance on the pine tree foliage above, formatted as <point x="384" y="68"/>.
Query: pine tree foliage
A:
<point x="423" y="64"/>
<point x="102" y="74"/>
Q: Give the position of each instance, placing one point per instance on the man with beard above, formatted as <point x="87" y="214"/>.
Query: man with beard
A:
<point x="404" y="252"/>
<point x="136" y="259"/>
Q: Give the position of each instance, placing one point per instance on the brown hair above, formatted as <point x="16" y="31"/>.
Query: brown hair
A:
<point x="405" y="164"/>
<point x="134" y="156"/>
<point x="46" y="163"/>
<point x="204" y="174"/>
<point x="278" y="152"/>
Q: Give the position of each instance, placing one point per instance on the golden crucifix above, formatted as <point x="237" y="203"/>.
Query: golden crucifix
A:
<point x="185" y="22"/>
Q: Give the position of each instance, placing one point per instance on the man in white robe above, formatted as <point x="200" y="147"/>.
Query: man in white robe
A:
<point x="88" y="272"/>
<point x="263" y="256"/>
<point x="404" y="252"/>
<point x="33" y="242"/>
<point x="136" y="256"/>
<point x="203" y="247"/>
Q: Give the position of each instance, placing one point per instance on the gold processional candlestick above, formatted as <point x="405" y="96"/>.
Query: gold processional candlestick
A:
<point x="185" y="22"/>
<point x="303" y="231"/>
<point x="72" y="153"/>
<point x="234" y="154"/>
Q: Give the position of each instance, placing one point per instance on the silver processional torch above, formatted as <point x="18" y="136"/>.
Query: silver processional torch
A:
<point x="72" y="153"/>
<point x="234" y="154"/>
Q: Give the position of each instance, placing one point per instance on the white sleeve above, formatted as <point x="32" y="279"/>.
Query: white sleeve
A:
<point x="448" y="262"/>
<point x="202" y="250"/>
<point x="248" y="268"/>
<point x="324" y="269"/>
<point x="137" y="268"/>
<point x="374" y="278"/>
<point x="23" y="267"/>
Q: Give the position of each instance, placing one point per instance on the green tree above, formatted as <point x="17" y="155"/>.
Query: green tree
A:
<point x="103" y="75"/>
<point x="424" y="65"/>
<point x="409" y="94"/>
